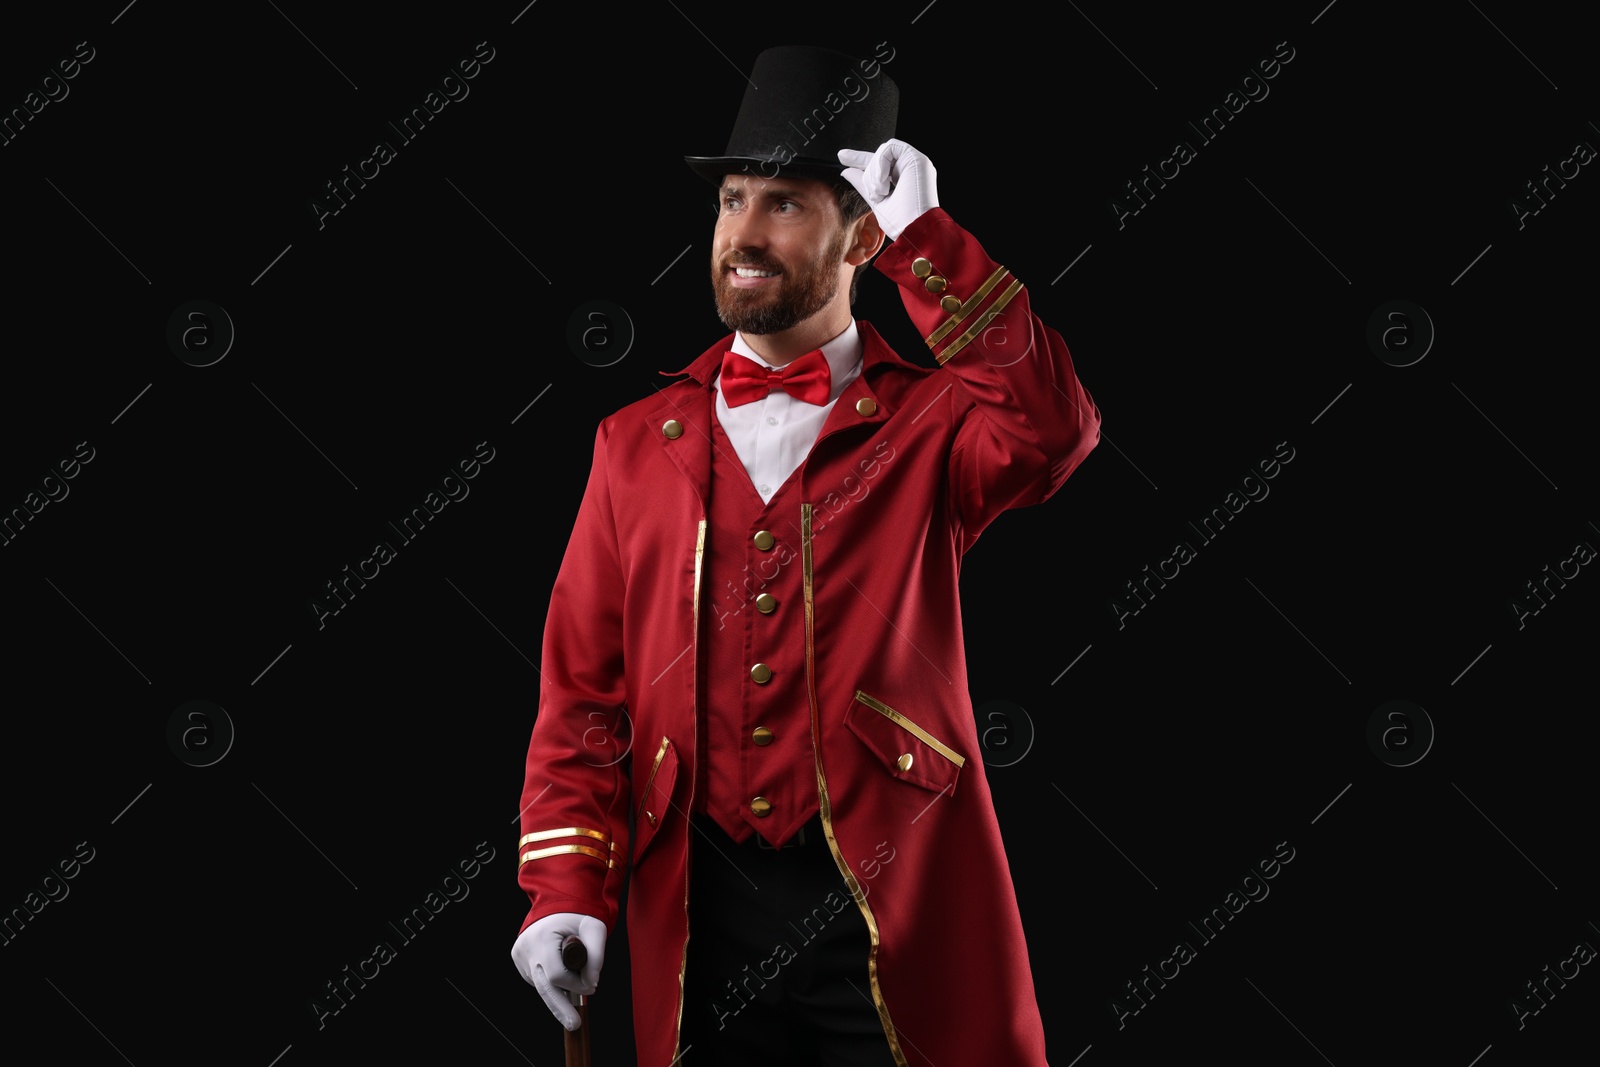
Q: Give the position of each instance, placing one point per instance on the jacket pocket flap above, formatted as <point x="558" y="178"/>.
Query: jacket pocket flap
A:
<point x="907" y="751"/>
<point x="654" y="800"/>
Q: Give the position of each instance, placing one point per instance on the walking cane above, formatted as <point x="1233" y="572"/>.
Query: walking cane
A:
<point x="576" y="957"/>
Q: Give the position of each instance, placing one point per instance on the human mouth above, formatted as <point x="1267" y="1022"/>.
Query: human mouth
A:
<point x="751" y="277"/>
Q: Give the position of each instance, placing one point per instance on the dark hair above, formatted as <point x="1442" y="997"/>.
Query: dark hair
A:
<point x="851" y="204"/>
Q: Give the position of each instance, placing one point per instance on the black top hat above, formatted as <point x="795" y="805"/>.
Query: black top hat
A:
<point x="803" y="104"/>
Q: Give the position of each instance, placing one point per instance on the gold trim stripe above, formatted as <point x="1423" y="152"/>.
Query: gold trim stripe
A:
<point x="654" y="767"/>
<point x="966" y="309"/>
<point x="924" y="736"/>
<point x="694" y="607"/>
<point x="825" y="806"/>
<point x="568" y="831"/>
<point x="983" y="320"/>
<point x="694" y="704"/>
<point x="557" y="850"/>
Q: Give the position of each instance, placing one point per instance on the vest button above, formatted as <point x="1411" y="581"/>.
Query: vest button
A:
<point x="766" y="604"/>
<point x="673" y="429"/>
<point x="904" y="762"/>
<point x="761" y="674"/>
<point x="761" y="807"/>
<point x="764" y="540"/>
<point x="761" y="735"/>
<point x="866" y="407"/>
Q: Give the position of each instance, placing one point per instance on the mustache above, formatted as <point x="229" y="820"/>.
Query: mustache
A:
<point x="754" y="262"/>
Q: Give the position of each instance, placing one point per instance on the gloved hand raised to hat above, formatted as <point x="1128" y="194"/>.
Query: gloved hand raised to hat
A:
<point x="896" y="181"/>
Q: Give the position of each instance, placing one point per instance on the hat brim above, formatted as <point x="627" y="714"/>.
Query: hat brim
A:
<point x="714" y="168"/>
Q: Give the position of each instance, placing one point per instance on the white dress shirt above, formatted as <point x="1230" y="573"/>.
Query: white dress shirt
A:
<point x="774" y="435"/>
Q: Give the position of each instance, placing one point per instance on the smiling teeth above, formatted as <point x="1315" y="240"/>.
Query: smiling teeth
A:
<point x="746" y="272"/>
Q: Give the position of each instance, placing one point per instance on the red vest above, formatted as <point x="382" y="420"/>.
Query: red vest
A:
<point x="756" y="733"/>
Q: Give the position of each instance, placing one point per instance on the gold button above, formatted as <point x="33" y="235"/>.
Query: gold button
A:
<point x="866" y="406"/>
<point x="764" y="540"/>
<point x="761" y="674"/>
<point x="673" y="429"/>
<point x="651" y="816"/>
<point x="761" y="735"/>
<point x="921" y="267"/>
<point x="761" y="807"/>
<point x="904" y="762"/>
<point x="935" y="284"/>
<point x="766" y="604"/>
<point x="952" y="304"/>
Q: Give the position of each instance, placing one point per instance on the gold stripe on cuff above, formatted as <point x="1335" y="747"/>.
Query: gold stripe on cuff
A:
<point x="966" y="309"/>
<point x="924" y="736"/>
<point x="568" y="831"/>
<point x="557" y="850"/>
<point x="983" y="320"/>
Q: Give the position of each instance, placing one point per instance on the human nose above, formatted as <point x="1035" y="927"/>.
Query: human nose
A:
<point x="742" y="231"/>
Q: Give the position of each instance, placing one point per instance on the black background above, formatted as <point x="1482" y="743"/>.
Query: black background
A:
<point x="1135" y="789"/>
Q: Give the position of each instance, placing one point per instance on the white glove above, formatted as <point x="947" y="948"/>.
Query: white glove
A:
<point x="896" y="181"/>
<point x="537" y="954"/>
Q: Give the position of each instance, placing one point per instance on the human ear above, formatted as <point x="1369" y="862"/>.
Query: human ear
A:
<point x="868" y="241"/>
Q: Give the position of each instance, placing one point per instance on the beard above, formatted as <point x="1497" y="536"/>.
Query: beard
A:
<point x="799" y="294"/>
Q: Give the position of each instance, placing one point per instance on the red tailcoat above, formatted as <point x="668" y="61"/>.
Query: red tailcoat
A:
<point x="911" y="465"/>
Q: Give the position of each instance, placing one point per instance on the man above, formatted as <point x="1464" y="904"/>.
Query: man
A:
<point x="763" y="583"/>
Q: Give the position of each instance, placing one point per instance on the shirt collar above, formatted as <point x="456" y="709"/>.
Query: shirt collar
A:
<point x="843" y="354"/>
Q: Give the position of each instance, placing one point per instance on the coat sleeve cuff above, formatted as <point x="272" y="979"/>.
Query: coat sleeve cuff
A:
<point x="951" y="288"/>
<point x="573" y="905"/>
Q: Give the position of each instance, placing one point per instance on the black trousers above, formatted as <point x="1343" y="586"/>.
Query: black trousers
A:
<point x="777" y="962"/>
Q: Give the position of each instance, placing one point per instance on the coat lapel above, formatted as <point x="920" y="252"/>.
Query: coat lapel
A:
<point x="691" y="404"/>
<point x="860" y="404"/>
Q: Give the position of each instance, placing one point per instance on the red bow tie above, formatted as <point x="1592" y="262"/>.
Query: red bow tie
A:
<point x="807" y="378"/>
